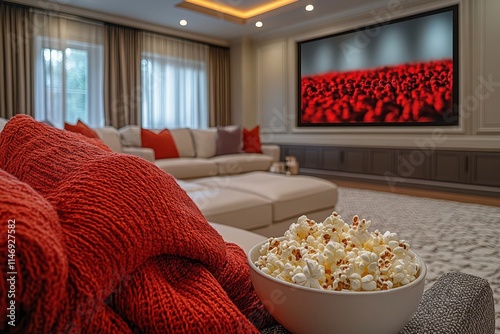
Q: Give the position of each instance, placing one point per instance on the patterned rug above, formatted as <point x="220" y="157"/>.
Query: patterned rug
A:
<point x="448" y="236"/>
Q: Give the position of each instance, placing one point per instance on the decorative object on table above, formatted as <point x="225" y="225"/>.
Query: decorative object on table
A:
<point x="278" y="167"/>
<point x="292" y="165"/>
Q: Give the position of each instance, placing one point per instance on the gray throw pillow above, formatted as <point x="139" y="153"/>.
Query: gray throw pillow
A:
<point x="229" y="140"/>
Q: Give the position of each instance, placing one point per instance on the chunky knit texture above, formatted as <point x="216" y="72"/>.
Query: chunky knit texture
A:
<point x="140" y="255"/>
<point x="39" y="258"/>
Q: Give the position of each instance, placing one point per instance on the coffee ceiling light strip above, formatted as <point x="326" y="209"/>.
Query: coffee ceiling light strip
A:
<point x="230" y="13"/>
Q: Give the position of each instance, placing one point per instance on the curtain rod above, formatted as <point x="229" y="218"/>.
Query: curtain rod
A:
<point x="121" y="21"/>
<point x="65" y="16"/>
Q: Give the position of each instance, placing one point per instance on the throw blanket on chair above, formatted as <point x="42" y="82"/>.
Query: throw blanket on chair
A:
<point x="109" y="243"/>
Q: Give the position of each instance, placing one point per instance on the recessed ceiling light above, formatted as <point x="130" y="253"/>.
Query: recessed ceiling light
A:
<point x="183" y="23"/>
<point x="309" y="8"/>
<point x="259" y="24"/>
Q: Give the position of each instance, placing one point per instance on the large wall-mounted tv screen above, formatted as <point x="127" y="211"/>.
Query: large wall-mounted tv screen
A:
<point x="402" y="72"/>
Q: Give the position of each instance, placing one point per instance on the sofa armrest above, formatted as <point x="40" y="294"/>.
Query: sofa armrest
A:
<point x="272" y="150"/>
<point x="142" y="152"/>
<point x="457" y="303"/>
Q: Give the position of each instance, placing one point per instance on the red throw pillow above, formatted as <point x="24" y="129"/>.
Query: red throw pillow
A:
<point x="82" y="128"/>
<point x="162" y="143"/>
<point x="251" y="140"/>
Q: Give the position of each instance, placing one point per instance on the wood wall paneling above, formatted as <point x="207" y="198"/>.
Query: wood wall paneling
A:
<point x="481" y="168"/>
<point x="485" y="168"/>
<point x="484" y="100"/>
<point x="449" y="166"/>
<point x="331" y="159"/>
<point x="412" y="163"/>
<point x="381" y="161"/>
<point x="354" y="160"/>
<point x="312" y="157"/>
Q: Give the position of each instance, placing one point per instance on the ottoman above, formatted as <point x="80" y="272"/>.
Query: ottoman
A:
<point x="227" y="206"/>
<point x="289" y="196"/>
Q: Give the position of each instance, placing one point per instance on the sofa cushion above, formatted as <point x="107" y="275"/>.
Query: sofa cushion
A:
<point x="111" y="137"/>
<point x="189" y="186"/>
<point x="3" y="121"/>
<point x="131" y="135"/>
<point x="205" y="142"/>
<point x="251" y="140"/>
<point x="184" y="142"/>
<point x="242" y="163"/>
<point x="81" y="128"/>
<point x="162" y="143"/>
<point x="231" y="207"/>
<point x="229" y="140"/>
<point x="186" y="168"/>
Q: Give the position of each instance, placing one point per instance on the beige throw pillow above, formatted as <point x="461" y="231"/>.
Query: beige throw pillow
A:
<point x="184" y="142"/>
<point x="205" y="142"/>
<point x="111" y="137"/>
<point x="3" y="121"/>
<point x="131" y="135"/>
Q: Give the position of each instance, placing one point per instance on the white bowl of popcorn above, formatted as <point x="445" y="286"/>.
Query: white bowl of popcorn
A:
<point x="332" y="277"/>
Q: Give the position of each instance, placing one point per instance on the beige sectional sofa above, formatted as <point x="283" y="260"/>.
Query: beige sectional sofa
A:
<point x="233" y="189"/>
<point x="197" y="153"/>
<point x="263" y="202"/>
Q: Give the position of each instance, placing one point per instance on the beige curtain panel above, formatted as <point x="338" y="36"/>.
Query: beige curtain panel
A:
<point x="16" y="61"/>
<point x="219" y="87"/>
<point x="122" y="79"/>
<point x="175" y="82"/>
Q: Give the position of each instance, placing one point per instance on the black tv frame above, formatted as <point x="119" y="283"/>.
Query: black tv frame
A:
<point x="451" y="118"/>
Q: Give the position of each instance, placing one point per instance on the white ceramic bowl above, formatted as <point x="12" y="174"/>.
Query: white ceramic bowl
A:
<point x="304" y="310"/>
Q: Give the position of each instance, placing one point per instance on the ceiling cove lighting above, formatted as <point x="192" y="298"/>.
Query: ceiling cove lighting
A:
<point x="231" y="13"/>
<point x="309" y="8"/>
<point x="259" y="24"/>
<point x="183" y="23"/>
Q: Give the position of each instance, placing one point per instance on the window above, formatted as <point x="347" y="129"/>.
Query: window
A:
<point x="68" y="82"/>
<point x="174" y="93"/>
<point x="69" y="62"/>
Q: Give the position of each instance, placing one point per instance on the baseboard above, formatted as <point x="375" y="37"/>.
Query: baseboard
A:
<point x="467" y="189"/>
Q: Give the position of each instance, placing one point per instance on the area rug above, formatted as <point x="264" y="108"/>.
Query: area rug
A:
<point x="448" y="236"/>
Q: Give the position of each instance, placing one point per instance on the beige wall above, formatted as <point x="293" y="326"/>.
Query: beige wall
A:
<point x="243" y="88"/>
<point x="274" y="83"/>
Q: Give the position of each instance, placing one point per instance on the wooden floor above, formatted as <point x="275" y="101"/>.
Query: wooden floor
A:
<point x="485" y="200"/>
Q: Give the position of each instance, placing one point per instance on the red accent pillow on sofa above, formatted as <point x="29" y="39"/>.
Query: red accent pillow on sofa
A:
<point x="81" y="128"/>
<point x="162" y="143"/>
<point x="251" y="140"/>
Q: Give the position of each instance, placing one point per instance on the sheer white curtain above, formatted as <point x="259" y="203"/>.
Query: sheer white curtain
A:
<point x="68" y="70"/>
<point x="174" y="83"/>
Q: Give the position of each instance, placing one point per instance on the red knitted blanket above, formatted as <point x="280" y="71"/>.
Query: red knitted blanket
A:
<point x="109" y="243"/>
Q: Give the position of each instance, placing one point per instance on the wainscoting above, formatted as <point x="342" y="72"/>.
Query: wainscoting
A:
<point x="472" y="172"/>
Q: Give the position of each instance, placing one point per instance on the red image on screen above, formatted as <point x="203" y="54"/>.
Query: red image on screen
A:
<point x="407" y="93"/>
